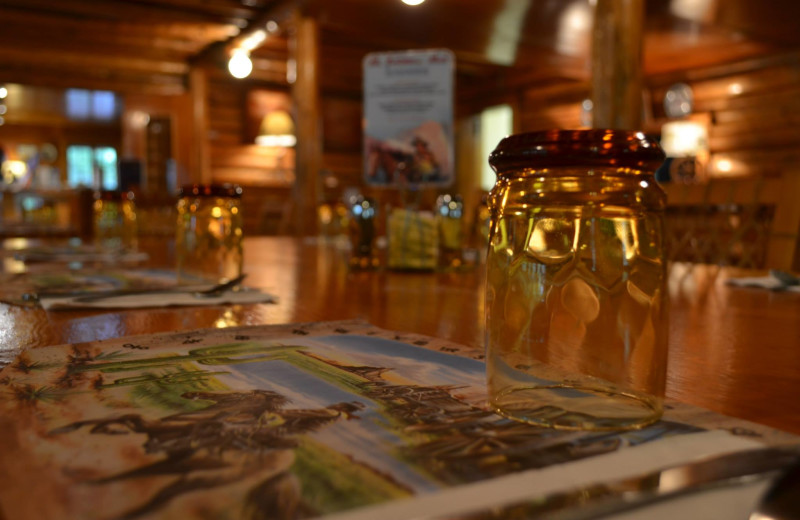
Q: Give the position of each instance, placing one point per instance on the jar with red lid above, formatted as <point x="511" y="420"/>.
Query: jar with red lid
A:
<point x="208" y="239"/>
<point x="576" y="306"/>
<point x="114" y="220"/>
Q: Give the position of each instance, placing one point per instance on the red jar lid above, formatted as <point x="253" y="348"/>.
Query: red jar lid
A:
<point x="581" y="148"/>
<point x="211" y="190"/>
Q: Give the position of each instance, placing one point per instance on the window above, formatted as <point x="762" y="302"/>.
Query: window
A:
<point x="83" y="161"/>
<point x="106" y="160"/>
<point x="98" y="105"/>
<point x="496" y="123"/>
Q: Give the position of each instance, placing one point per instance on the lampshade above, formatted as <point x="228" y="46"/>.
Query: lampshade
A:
<point x="277" y="129"/>
<point x="684" y="138"/>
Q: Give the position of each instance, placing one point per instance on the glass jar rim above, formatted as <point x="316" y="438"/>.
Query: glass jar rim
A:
<point x="580" y="148"/>
<point x="114" y="195"/>
<point x="211" y="190"/>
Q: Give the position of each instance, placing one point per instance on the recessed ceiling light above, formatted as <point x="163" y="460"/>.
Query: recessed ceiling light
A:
<point x="413" y="2"/>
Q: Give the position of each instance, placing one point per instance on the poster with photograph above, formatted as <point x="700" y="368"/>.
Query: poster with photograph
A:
<point x="408" y="113"/>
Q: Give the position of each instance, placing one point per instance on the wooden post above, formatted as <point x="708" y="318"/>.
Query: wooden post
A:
<point x="617" y="64"/>
<point x="304" y="50"/>
<point x="200" y="158"/>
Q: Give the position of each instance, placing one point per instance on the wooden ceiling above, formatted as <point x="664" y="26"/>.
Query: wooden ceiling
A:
<point x="150" y="45"/>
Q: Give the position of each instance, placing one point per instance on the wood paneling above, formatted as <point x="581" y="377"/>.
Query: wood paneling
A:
<point x="753" y="112"/>
<point x="557" y="106"/>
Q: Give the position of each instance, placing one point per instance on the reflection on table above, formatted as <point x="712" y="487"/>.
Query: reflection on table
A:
<point x="732" y="350"/>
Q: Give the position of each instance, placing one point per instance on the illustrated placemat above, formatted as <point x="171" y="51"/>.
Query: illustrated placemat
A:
<point x="75" y="251"/>
<point x="295" y="421"/>
<point x="24" y="288"/>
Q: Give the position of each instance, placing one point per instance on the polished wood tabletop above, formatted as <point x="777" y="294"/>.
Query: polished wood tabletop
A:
<point x="733" y="350"/>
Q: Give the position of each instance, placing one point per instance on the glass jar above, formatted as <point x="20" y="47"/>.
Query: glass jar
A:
<point x="450" y="220"/>
<point x="114" y="220"/>
<point x="208" y="238"/>
<point x="576" y="303"/>
<point x="361" y="223"/>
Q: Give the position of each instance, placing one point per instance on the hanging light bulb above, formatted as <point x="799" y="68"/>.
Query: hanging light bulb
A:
<point x="240" y="65"/>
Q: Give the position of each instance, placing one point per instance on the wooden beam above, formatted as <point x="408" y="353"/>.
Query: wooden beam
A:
<point x="146" y="12"/>
<point x="304" y="50"/>
<point x="49" y="28"/>
<point x="140" y="83"/>
<point x="49" y="57"/>
<point x="617" y="64"/>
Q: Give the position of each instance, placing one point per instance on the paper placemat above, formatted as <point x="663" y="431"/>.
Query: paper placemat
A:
<point x="158" y="299"/>
<point x="769" y="281"/>
<point x="337" y="419"/>
<point x="67" y="289"/>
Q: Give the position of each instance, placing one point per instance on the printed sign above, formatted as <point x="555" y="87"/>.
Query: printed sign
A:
<point x="408" y="112"/>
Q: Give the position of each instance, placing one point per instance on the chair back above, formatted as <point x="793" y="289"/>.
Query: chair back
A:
<point x="750" y="222"/>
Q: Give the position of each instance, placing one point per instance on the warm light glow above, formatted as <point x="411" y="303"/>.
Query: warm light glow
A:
<point x="240" y="65"/>
<point x="724" y="165"/>
<point x="285" y="141"/>
<point x="13" y="170"/>
<point x="574" y="26"/>
<point x="138" y="119"/>
<point x="254" y="40"/>
<point x="291" y="71"/>
<point x="735" y="89"/>
<point x="695" y="10"/>
<point x="16" y="168"/>
<point x="3" y="92"/>
<point x="684" y="138"/>
<point x="413" y="2"/>
<point x="277" y="129"/>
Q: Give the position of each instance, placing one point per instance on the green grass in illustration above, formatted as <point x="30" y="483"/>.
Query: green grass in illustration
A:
<point x="165" y="389"/>
<point x="333" y="481"/>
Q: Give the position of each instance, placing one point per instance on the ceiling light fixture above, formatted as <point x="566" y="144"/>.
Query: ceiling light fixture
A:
<point x="254" y="40"/>
<point x="240" y="65"/>
<point x="413" y="2"/>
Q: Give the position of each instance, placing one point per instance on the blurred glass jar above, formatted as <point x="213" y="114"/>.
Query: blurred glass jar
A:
<point x="576" y="302"/>
<point x="114" y="220"/>
<point x="450" y="221"/>
<point x="208" y="238"/>
<point x="362" y="231"/>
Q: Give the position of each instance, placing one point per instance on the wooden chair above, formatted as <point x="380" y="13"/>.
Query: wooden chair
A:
<point x="748" y="222"/>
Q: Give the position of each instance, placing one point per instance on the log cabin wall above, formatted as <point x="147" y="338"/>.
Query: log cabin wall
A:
<point x="752" y="111"/>
<point x="557" y="106"/>
<point x="265" y="174"/>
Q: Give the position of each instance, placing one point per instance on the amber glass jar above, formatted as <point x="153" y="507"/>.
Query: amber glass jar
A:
<point x="208" y="239"/>
<point x="576" y="298"/>
<point x="114" y="220"/>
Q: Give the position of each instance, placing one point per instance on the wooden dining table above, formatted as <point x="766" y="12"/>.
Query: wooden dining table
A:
<point x="733" y="350"/>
